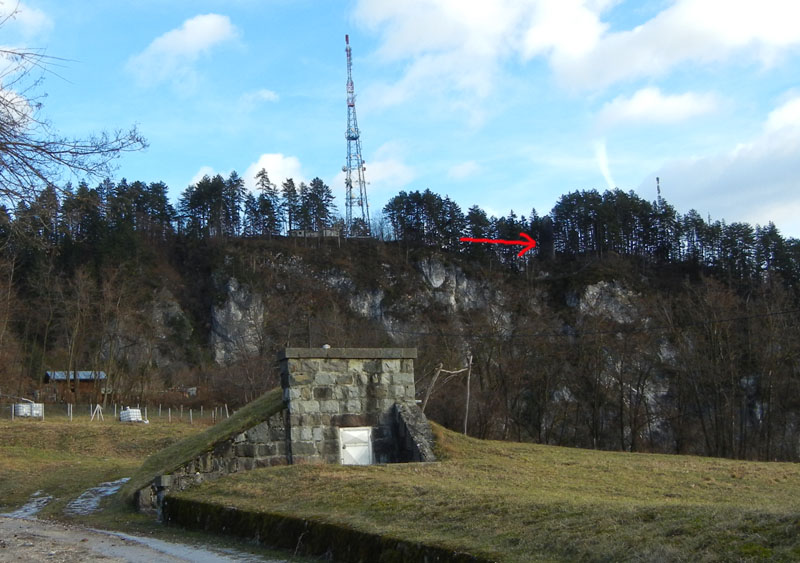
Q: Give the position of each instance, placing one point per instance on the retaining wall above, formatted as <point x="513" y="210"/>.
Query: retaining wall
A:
<point x="323" y="390"/>
<point x="309" y="537"/>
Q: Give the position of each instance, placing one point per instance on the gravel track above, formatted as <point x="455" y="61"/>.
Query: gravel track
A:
<point x="32" y="540"/>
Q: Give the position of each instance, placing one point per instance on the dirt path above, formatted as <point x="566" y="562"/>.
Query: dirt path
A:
<point x="31" y="540"/>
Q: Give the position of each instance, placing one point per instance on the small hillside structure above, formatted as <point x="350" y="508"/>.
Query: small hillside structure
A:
<point x="336" y="405"/>
<point x="325" y="232"/>
<point x="76" y="383"/>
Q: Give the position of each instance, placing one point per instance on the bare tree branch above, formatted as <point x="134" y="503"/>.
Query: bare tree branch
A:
<point x="32" y="154"/>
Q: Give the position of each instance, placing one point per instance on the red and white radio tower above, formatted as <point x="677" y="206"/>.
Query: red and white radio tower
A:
<point x="356" y="197"/>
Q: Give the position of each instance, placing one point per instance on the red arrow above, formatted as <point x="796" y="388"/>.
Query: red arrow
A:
<point x="528" y="243"/>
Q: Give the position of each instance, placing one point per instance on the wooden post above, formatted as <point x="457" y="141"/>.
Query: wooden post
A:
<point x="169" y="414"/>
<point x="115" y="410"/>
<point x="98" y="412"/>
<point x="190" y="417"/>
<point x="181" y="412"/>
<point x="201" y="411"/>
<point x="145" y="412"/>
<point x="466" y="410"/>
<point x="430" y="387"/>
<point x="159" y="410"/>
<point x="226" y="411"/>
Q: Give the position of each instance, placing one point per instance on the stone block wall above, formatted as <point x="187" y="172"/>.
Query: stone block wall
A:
<point x="325" y="389"/>
<point x="412" y="434"/>
<point x="263" y="445"/>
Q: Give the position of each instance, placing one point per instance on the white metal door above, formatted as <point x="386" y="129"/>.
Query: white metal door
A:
<point x="355" y="445"/>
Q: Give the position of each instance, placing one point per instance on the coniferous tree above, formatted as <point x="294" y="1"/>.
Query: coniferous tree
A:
<point x="253" y="223"/>
<point x="451" y="225"/>
<point x="290" y="204"/>
<point x="159" y="210"/>
<point x="477" y="223"/>
<point x="304" y="217"/>
<point x="394" y="211"/>
<point x="320" y="204"/>
<point x="233" y="197"/>
<point x="269" y="205"/>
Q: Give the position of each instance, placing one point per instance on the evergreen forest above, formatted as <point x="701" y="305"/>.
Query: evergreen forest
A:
<point x="630" y="327"/>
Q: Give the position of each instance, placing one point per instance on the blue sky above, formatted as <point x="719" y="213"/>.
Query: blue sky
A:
<point x="505" y="103"/>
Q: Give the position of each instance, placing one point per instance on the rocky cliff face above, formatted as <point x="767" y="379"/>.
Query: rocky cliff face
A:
<point x="237" y="324"/>
<point x="428" y="297"/>
<point x="610" y="300"/>
<point x="154" y="337"/>
<point x="401" y="304"/>
<point x="450" y="287"/>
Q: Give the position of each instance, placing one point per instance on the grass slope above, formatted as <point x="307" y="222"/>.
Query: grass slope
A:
<point x="64" y="458"/>
<point x="172" y="457"/>
<point x="524" y="502"/>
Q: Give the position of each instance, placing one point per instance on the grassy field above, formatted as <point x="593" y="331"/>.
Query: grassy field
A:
<point x="523" y="502"/>
<point x="514" y="502"/>
<point x="64" y="458"/>
<point x="172" y="457"/>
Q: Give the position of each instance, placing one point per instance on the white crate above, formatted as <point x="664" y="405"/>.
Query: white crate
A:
<point x="131" y="415"/>
<point x="32" y="410"/>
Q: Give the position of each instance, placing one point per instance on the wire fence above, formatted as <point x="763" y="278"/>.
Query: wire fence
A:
<point x="95" y="411"/>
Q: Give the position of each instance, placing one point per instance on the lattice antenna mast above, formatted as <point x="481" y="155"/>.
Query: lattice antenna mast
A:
<point x="355" y="185"/>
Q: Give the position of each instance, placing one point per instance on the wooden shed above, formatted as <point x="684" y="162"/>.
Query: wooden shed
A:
<point x="80" y="383"/>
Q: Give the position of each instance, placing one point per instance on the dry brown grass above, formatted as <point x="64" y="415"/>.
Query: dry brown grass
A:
<point x="182" y="451"/>
<point x="64" y="458"/>
<point x="523" y="502"/>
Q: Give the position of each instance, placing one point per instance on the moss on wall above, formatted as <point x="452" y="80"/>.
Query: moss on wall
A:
<point x="307" y="536"/>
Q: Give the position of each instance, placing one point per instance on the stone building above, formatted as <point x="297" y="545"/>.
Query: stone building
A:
<point x="335" y="405"/>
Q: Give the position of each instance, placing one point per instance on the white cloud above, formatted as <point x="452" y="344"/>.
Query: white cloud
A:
<point x="756" y="181"/>
<point x="388" y="174"/>
<point x="460" y="46"/>
<point x="564" y="28"/>
<point x="26" y="20"/>
<point x="693" y="31"/>
<point x="387" y="171"/>
<point x="16" y="110"/>
<point x="32" y="21"/>
<point x="456" y="46"/>
<point x="251" y="99"/>
<point x="784" y="116"/>
<point x="279" y="167"/>
<point x="601" y="157"/>
<point x="172" y="55"/>
<point x="204" y="171"/>
<point x="650" y="105"/>
<point x="463" y="170"/>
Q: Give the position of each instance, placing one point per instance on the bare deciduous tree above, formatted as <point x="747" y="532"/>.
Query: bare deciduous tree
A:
<point x="33" y="154"/>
